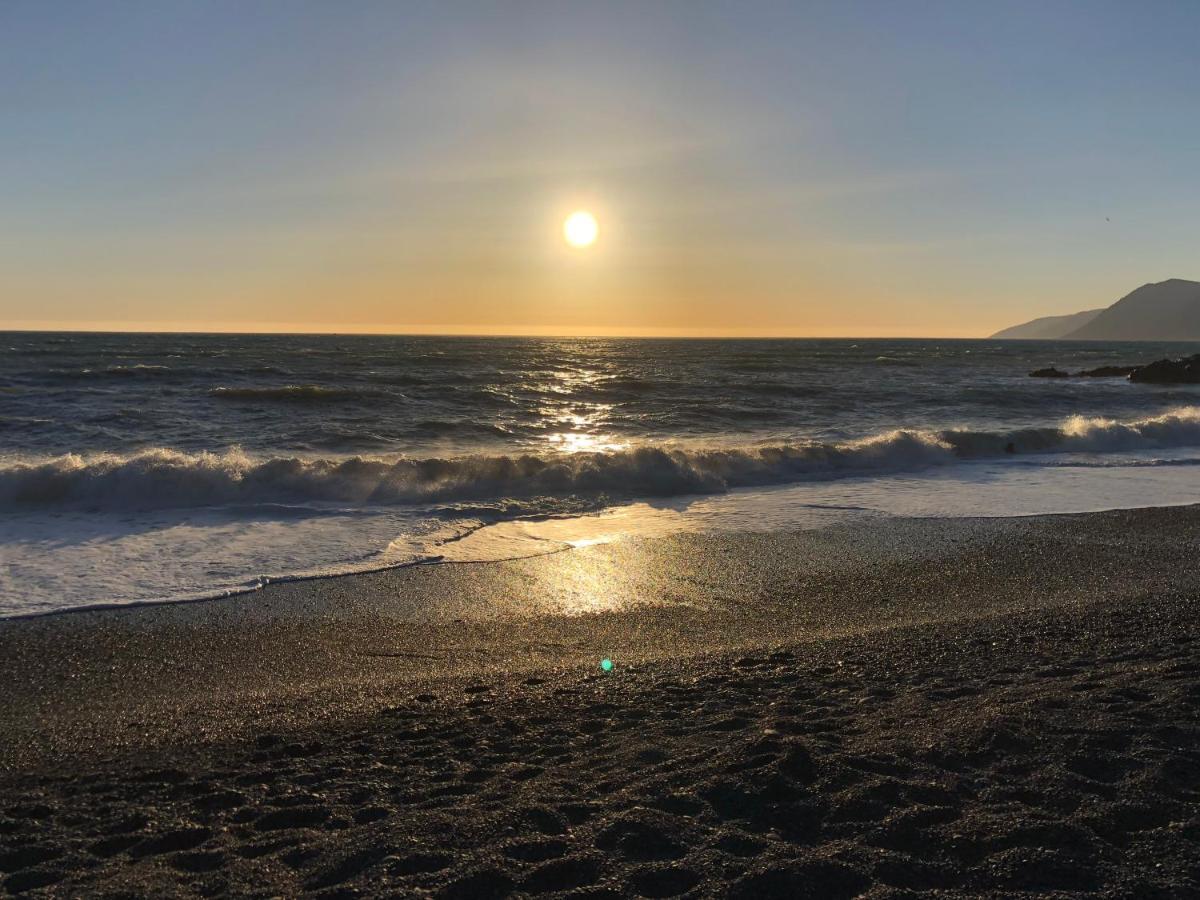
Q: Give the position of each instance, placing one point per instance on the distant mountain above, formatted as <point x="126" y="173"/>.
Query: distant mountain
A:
<point x="1164" y="311"/>
<point x="1049" y="327"/>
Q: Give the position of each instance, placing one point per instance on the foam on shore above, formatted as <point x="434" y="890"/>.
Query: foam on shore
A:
<point x="67" y="559"/>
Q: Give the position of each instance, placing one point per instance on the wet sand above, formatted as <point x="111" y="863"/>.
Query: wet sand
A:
<point x="972" y="707"/>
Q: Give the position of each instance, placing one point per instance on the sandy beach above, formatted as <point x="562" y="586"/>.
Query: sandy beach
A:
<point x="960" y="707"/>
<point x="614" y="450"/>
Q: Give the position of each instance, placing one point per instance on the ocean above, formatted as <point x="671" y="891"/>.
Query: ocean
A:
<point x="157" y="467"/>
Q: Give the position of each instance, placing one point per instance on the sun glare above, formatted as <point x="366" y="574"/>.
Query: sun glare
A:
<point x="580" y="229"/>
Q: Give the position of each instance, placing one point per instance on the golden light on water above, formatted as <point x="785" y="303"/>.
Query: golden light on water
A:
<point x="581" y="229"/>
<point x="576" y="442"/>
<point x="572" y="424"/>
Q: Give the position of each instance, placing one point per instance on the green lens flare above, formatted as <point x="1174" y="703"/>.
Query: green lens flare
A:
<point x="606" y="665"/>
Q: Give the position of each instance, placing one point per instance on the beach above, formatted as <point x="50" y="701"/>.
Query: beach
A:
<point x="676" y="450"/>
<point x="973" y="707"/>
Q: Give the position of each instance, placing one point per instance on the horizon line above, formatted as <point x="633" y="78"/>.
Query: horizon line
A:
<point x="677" y="334"/>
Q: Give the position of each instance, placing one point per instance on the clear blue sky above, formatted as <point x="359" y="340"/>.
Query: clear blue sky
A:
<point x="802" y="168"/>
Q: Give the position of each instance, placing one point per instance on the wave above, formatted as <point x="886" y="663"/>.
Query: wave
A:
<point x="291" y="393"/>
<point x="163" y="477"/>
<point x="1085" y="434"/>
<point x="137" y="370"/>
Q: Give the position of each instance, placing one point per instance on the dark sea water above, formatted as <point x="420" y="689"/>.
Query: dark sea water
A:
<point x="112" y="431"/>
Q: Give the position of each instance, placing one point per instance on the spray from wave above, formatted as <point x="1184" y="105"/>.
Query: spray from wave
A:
<point x="162" y="478"/>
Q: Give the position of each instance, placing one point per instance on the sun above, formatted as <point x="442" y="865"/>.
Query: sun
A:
<point x="581" y="228"/>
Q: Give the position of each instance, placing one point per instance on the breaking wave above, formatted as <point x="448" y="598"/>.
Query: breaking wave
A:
<point x="163" y="478"/>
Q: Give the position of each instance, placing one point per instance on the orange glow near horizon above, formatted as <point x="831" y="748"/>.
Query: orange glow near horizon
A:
<point x="473" y="331"/>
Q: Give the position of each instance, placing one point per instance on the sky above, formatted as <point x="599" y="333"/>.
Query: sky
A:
<point x="818" y="169"/>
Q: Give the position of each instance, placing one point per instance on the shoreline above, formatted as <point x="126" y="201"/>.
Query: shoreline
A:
<point x="726" y="590"/>
<point x="853" y="709"/>
<point x="635" y="531"/>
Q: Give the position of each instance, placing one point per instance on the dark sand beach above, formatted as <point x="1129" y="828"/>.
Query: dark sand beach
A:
<point x="887" y="709"/>
<point x="599" y="450"/>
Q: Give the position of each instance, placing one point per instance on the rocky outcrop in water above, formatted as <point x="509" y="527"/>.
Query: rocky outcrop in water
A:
<point x="1107" y="372"/>
<point x="1185" y="370"/>
<point x="1169" y="371"/>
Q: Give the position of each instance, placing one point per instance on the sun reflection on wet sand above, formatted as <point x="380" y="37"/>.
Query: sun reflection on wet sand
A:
<point x="582" y="584"/>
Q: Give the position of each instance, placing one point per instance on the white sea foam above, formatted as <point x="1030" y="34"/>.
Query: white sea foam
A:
<point x="166" y="478"/>
<point x="73" y="559"/>
<point x="56" y="559"/>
